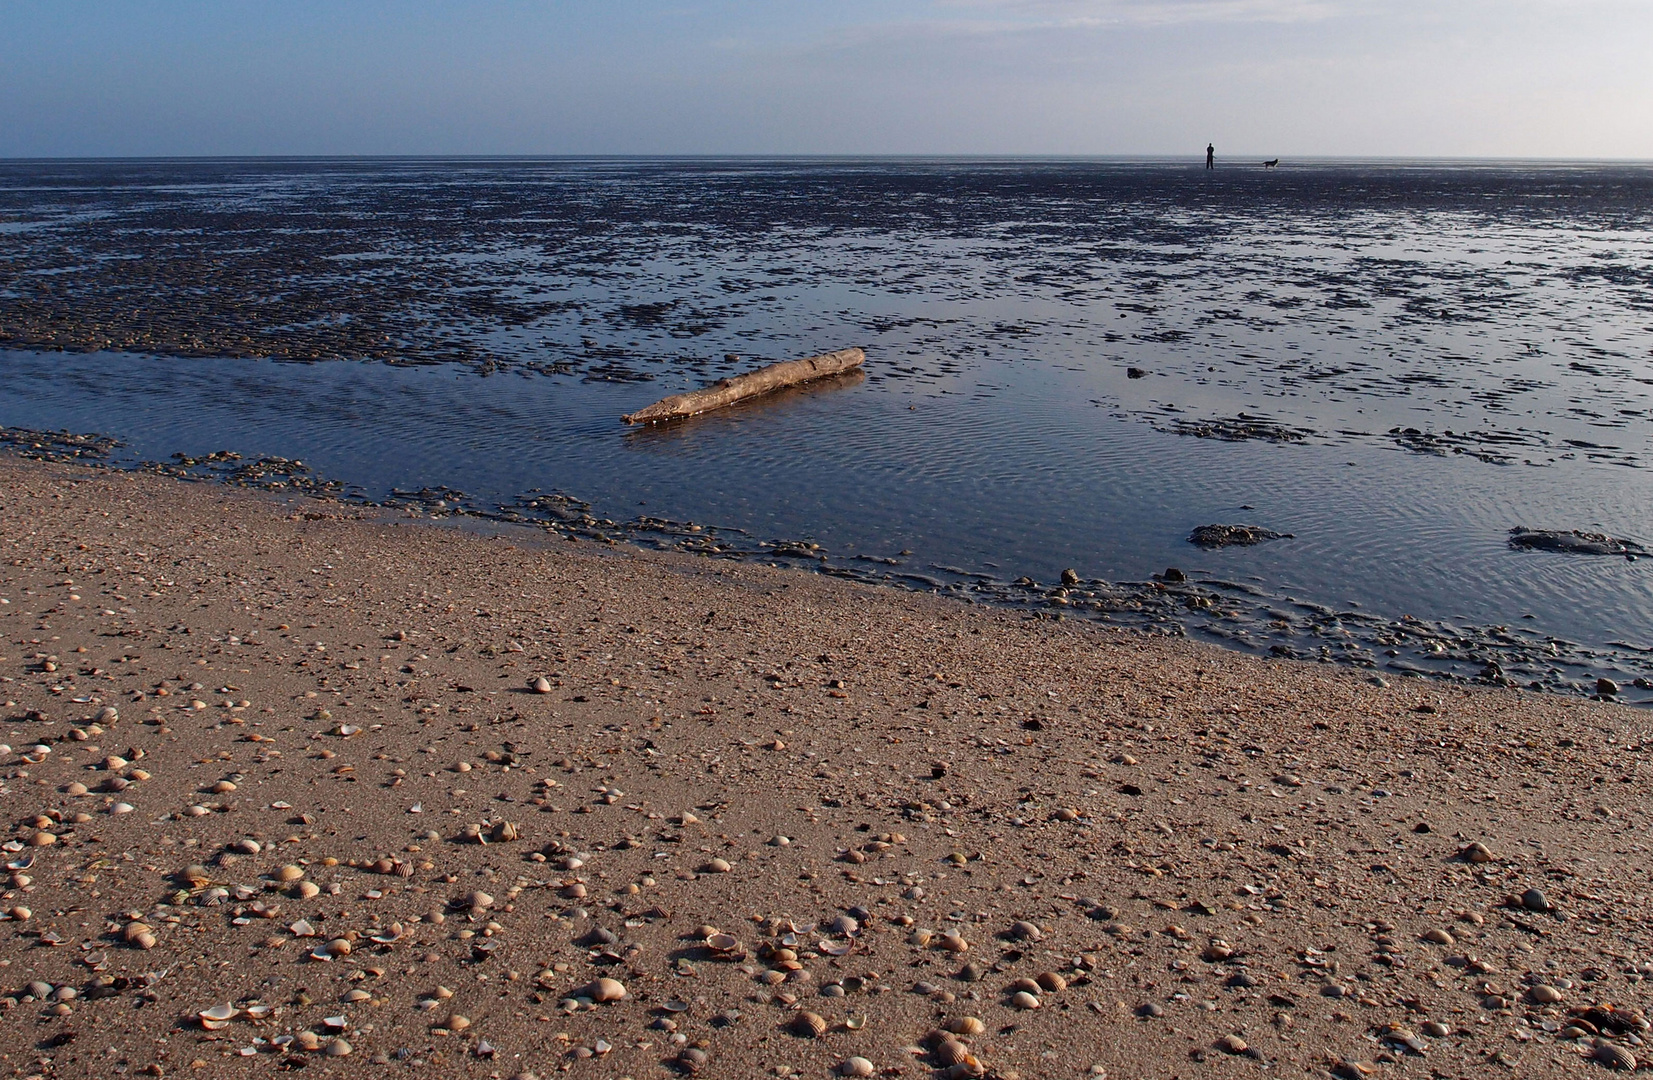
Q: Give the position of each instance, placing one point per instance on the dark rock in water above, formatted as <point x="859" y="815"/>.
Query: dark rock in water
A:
<point x="1216" y="536"/>
<point x="1573" y="542"/>
<point x="1135" y="373"/>
<point x="1070" y="577"/>
<point x="1173" y="574"/>
<point x="1606" y="687"/>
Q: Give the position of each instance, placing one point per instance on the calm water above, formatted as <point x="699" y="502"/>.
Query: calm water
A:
<point x="1070" y="365"/>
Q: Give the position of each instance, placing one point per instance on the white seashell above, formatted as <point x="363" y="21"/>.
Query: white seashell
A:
<point x="122" y="808"/>
<point x="302" y="928"/>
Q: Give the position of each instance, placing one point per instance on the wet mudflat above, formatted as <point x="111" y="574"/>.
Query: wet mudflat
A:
<point x="1070" y="366"/>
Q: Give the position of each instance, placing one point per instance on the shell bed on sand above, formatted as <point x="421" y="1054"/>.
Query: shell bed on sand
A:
<point x="288" y="784"/>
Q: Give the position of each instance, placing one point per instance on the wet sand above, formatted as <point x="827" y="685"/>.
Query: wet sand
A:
<point x="895" y="807"/>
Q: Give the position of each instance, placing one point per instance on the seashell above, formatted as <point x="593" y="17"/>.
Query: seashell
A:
<point x="605" y="990"/>
<point x="96" y="961"/>
<point x="457" y="1022"/>
<point x="920" y="938"/>
<point x="391" y="935"/>
<point x="1049" y="980"/>
<point x="339" y="1048"/>
<point x="856" y="1022"/>
<point x="213" y="897"/>
<point x="476" y="901"/>
<point x="844" y="925"/>
<point x="1025" y="931"/>
<point x="195" y="875"/>
<point x="505" y="832"/>
<point x="966" y="1025"/>
<point x="1544" y="994"/>
<point x="381" y="866"/>
<point x="302" y="928"/>
<point x="722" y="942"/>
<point x="22" y="862"/>
<point x="258" y="1012"/>
<point x="307" y="1040"/>
<point x="1438" y="936"/>
<point x="336" y="1022"/>
<point x="289" y="873"/>
<point x="808" y="1025"/>
<point x="1614" y="1056"/>
<point x="1021" y="999"/>
<point x="75" y="790"/>
<point x="541" y="685"/>
<point x="143" y="939"/>
<point x="1232" y="1044"/>
<point x="716" y="866"/>
<point x="693" y="1059"/>
<point x="954" y="943"/>
<point x="835" y="948"/>
<point x="1476" y="852"/>
<point x="122" y="808"/>
<point x="306" y="890"/>
<point x="218" y="1016"/>
<point x="403" y="869"/>
<point x="855" y="1066"/>
<point x="950" y="1052"/>
<point x="42" y="838"/>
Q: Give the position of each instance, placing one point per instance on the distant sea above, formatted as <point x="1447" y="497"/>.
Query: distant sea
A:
<point x="1071" y="366"/>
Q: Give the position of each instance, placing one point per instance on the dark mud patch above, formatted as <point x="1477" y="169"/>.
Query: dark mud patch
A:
<point x="1221" y="536"/>
<point x="1573" y="542"/>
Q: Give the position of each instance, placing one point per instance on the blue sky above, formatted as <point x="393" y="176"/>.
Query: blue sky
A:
<point x="1474" y="78"/>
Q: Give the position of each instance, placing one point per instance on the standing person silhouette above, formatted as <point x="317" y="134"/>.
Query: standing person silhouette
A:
<point x="1210" y="156"/>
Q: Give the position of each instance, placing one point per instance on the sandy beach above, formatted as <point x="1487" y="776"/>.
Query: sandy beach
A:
<point x="396" y="798"/>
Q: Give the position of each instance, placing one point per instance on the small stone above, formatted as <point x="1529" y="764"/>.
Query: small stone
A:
<point x="1606" y="687"/>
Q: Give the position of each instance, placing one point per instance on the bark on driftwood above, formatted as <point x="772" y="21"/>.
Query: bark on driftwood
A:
<point x="726" y="392"/>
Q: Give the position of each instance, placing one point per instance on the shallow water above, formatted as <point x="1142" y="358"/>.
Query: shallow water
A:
<point x="1070" y="365"/>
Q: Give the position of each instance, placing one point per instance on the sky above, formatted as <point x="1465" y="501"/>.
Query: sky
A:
<point x="1259" y="78"/>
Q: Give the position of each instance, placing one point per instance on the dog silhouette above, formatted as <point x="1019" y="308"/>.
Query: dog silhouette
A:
<point x="1271" y="164"/>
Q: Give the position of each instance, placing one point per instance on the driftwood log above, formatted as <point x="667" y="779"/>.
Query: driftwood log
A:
<point x="726" y="392"/>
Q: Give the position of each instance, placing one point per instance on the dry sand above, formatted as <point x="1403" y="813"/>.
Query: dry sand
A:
<point x="1207" y="864"/>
